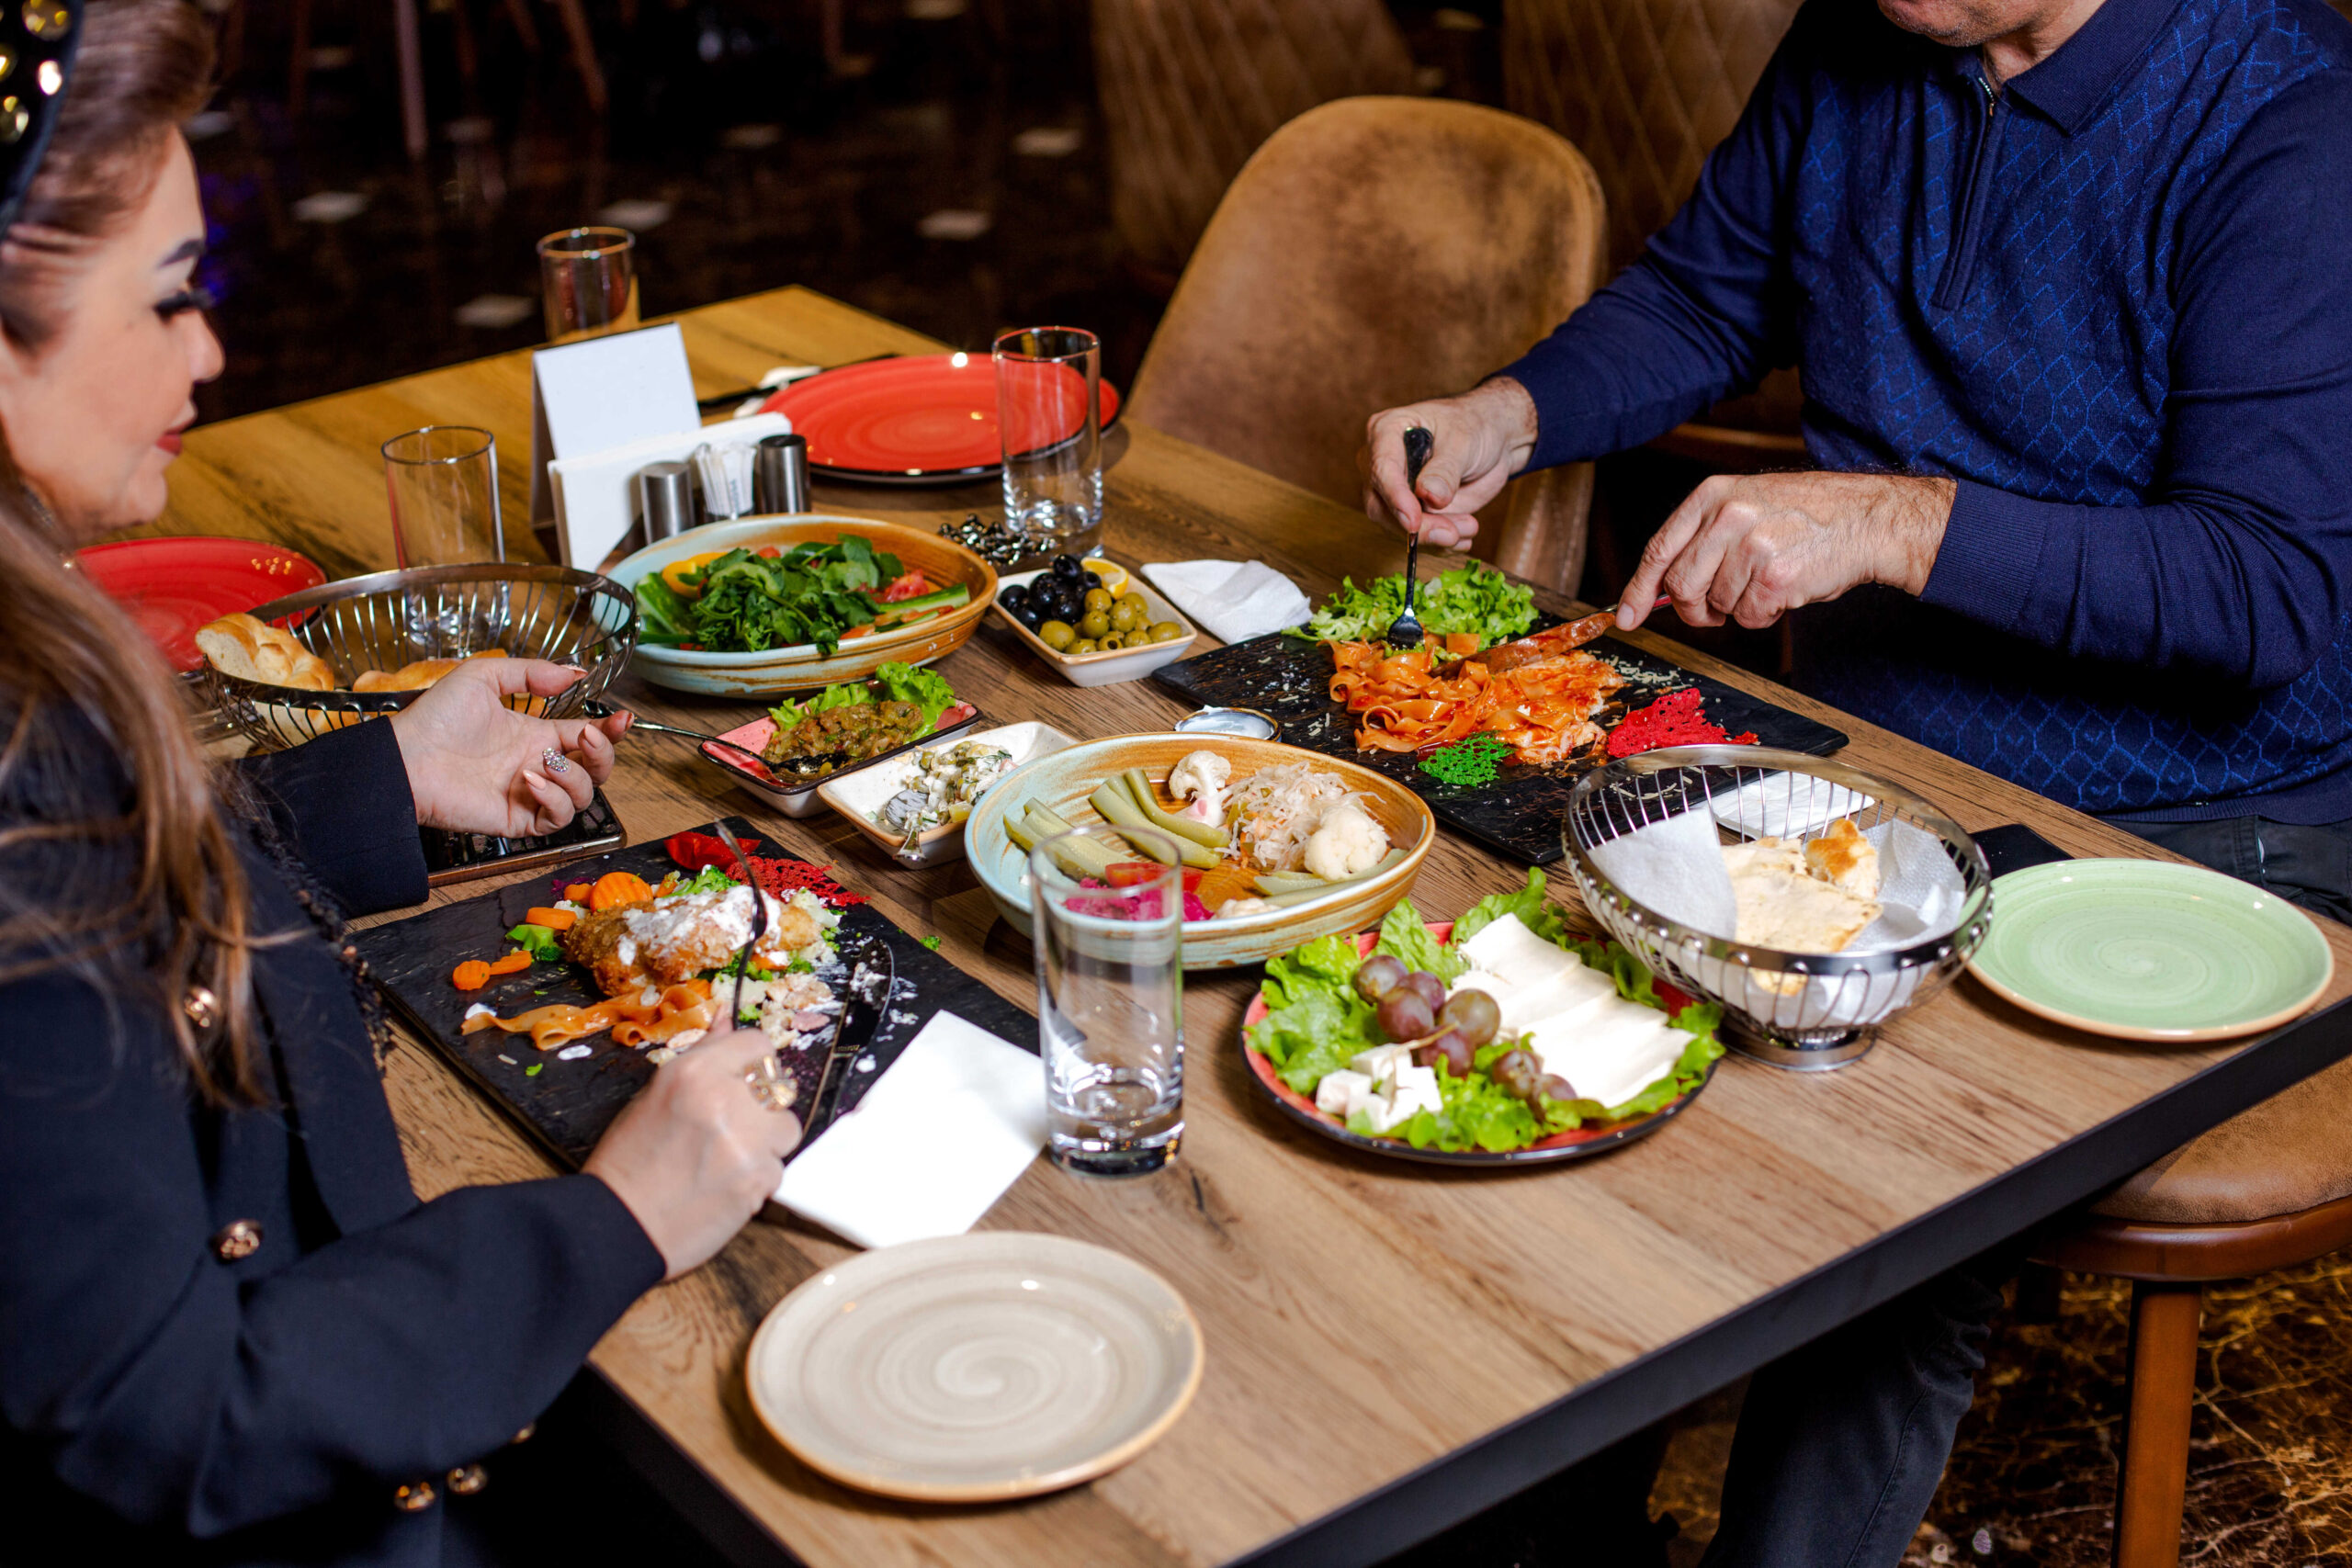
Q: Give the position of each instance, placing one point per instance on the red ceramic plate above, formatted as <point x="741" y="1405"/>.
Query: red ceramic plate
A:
<point x="172" y="586"/>
<point x="1590" y="1139"/>
<point x="918" y="419"/>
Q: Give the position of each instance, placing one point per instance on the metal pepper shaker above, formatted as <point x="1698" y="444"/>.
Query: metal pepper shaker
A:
<point x="665" y="499"/>
<point x="781" y="472"/>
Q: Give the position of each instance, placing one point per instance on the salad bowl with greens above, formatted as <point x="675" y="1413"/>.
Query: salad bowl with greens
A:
<point x="1399" y="1042"/>
<point x="762" y="606"/>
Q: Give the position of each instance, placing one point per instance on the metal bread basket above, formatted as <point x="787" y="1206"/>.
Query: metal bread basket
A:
<point x="391" y="618"/>
<point x="1801" y="1010"/>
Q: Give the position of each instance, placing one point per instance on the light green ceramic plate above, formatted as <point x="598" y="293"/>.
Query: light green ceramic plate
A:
<point x="2151" y="949"/>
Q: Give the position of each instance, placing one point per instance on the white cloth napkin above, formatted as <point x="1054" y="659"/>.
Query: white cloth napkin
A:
<point x="953" y="1122"/>
<point x="1234" y="601"/>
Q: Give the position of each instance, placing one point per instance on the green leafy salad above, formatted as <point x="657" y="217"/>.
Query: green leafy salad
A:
<point x="1396" y="1048"/>
<point x="1472" y="599"/>
<point x="746" y="601"/>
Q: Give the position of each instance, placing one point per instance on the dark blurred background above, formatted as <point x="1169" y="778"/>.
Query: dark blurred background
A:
<point x="941" y="164"/>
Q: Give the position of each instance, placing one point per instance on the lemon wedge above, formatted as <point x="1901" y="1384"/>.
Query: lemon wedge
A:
<point x="1114" y="576"/>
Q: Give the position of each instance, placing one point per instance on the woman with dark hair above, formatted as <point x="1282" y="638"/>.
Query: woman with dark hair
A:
<point x="228" y="1331"/>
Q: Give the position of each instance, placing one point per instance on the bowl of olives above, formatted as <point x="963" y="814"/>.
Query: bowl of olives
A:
<point x="1095" y="622"/>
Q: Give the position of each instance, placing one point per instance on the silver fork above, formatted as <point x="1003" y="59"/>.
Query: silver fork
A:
<point x="1405" y="631"/>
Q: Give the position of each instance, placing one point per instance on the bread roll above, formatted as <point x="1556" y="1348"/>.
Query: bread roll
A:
<point x="417" y="676"/>
<point x="1783" y="905"/>
<point x="250" y="650"/>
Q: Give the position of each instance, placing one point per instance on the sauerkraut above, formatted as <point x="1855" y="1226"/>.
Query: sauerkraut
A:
<point x="1280" y="808"/>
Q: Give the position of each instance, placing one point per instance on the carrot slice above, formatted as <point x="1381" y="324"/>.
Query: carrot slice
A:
<point x="577" y="893"/>
<point x="554" y="919"/>
<point x="471" y="975"/>
<point x="514" y="963"/>
<point x="618" y="887"/>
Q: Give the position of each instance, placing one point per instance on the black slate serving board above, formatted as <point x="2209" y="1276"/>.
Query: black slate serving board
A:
<point x="568" y="1105"/>
<point x="1520" y="813"/>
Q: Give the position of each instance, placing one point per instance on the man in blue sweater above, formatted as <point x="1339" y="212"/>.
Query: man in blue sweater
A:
<point x="2070" y="285"/>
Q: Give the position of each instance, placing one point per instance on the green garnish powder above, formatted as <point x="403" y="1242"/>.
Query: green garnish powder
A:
<point x="1475" y="760"/>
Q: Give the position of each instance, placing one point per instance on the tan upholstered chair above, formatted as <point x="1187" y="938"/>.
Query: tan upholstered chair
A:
<point x="1377" y="251"/>
<point x="2268" y="1190"/>
<point x="1645" y="88"/>
<point x="1188" y="88"/>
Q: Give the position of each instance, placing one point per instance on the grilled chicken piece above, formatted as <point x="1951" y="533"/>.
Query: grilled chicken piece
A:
<point x="1537" y="648"/>
<point x="664" y="941"/>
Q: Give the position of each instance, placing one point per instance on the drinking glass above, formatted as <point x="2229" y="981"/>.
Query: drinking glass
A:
<point x="1048" y="403"/>
<point x="588" y="282"/>
<point x="1109" y="1000"/>
<point x="443" y="481"/>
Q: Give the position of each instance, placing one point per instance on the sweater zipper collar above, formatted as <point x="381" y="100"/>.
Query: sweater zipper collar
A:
<point x="1975" y="195"/>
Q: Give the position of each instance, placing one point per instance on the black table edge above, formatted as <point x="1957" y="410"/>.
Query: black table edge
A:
<point x="1508" y="1460"/>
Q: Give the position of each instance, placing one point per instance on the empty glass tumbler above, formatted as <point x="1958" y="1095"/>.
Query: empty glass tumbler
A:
<point x="443" y="480"/>
<point x="588" y="282"/>
<point x="1110" y="998"/>
<point x="1048" y="402"/>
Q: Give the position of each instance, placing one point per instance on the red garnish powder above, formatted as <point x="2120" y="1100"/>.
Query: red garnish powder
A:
<point x="780" y="877"/>
<point x="1673" y="720"/>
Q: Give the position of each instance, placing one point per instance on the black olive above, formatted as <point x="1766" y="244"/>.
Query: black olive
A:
<point x="1031" y="616"/>
<point x="1013" y="597"/>
<point x="1065" y="568"/>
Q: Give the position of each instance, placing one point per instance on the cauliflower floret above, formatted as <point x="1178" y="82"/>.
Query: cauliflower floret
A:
<point x="1236" y="908"/>
<point x="1349" y="844"/>
<point x="1200" y="778"/>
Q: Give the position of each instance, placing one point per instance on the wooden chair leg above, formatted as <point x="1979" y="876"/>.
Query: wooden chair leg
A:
<point x="583" y="52"/>
<point x="2155" y="1482"/>
<point x="409" y="46"/>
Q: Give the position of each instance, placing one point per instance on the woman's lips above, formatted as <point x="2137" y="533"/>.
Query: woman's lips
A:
<point x="170" y="442"/>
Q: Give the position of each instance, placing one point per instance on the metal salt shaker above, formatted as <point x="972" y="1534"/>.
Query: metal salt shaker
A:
<point x="781" y="473"/>
<point x="665" y="499"/>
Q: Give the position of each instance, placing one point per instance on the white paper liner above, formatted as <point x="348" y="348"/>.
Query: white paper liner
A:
<point x="1778" y="805"/>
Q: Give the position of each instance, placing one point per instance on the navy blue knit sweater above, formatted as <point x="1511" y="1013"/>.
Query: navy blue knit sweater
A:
<point x="2114" y="301"/>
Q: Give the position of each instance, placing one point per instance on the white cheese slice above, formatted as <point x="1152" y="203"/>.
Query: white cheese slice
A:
<point x="1484" y="980"/>
<point x="1383" y="1113"/>
<point x="1341" y="1093"/>
<point x="1508" y="949"/>
<point x="1571" y="991"/>
<point x="1609" y="1053"/>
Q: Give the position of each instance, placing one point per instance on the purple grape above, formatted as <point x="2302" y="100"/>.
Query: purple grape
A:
<point x="1474" y="1013"/>
<point x="1431" y="988"/>
<point x="1403" y="1015"/>
<point x="1378" y="976"/>
<point x="1555" y="1087"/>
<point x="1516" y="1072"/>
<point x="1448" y="1047"/>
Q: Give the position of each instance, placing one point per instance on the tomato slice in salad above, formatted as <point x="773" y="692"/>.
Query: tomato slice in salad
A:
<point x="913" y="585"/>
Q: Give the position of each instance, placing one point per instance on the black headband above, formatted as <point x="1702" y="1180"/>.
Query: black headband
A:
<point x="37" y="42"/>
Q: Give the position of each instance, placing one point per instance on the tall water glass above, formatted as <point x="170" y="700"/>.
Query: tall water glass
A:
<point x="1110" y="999"/>
<point x="443" y="481"/>
<point x="1048" y="403"/>
<point x="588" y="282"/>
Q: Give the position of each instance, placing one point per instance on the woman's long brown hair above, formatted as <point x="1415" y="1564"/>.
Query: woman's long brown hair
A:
<point x="141" y="893"/>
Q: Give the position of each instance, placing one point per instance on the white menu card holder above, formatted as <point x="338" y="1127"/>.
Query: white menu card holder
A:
<point x="592" y="396"/>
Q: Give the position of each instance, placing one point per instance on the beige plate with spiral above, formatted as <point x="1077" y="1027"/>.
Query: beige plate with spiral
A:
<point x="975" y="1368"/>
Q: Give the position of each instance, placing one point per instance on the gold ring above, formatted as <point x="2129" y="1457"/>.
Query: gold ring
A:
<point x="778" y="1093"/>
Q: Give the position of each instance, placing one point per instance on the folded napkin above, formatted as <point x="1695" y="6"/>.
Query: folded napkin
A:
<point x="1234" y="601"/>
<point x="954" y="1121"/>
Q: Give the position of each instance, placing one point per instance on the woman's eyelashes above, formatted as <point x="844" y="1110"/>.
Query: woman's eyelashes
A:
<point x="195" y="297"/>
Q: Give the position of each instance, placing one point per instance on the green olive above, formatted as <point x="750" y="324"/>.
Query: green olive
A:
<point x="1082" y="645"/>
<point x="1166" y="631"/>
<point x="1125" y="617"/>
<point x="1093" y="623"/>
<point x="1056" y="635"/>
<point x="1098" y="599"/>
<point x="1137" y="600"/>
<point x="1109" y="641"/>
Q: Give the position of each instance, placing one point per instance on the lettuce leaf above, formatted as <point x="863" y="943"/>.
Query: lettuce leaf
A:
<point x="1547" y="921"/>
<point x="1474" y="598"/>
<point x="927" y="689"/>
<point x="1403" y="934"/>
<point x="788" y="713"/>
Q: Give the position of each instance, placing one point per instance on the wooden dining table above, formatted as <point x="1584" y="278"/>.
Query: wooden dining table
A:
<point x="1390" y="1346"/>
